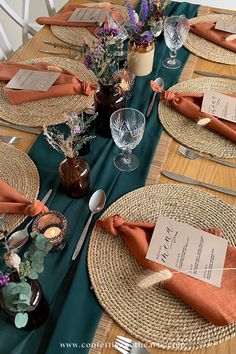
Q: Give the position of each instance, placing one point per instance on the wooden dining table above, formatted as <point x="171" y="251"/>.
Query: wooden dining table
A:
<point x="166" y="157"/>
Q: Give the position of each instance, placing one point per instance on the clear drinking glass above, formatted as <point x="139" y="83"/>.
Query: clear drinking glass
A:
<point x="176" y="30"/>
<point x="127" y="128"/>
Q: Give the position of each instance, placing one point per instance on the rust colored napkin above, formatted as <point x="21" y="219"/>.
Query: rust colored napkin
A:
<point x="189" y="104"/>
<point x="217" y="305"/>
<point x="207" y="30"/>
<point x="66" y="84"/>
<point x="61" y="19"/>
<point x="12" y="202"/>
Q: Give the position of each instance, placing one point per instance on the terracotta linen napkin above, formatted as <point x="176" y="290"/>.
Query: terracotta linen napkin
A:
<point x="217" y="305"/>
<point x="12" y="202"/>
<point x="66" y="84"/>
<point x="189" y="104"/>
<point x="61" y="19"/>
<point x="207" y="30"/>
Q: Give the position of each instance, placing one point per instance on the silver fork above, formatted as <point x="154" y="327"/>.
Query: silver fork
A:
<point x="10" y="139"/>
<point x="128" y="346"/>
<point x="71" y="56"/>
<point x="190" y="154"/>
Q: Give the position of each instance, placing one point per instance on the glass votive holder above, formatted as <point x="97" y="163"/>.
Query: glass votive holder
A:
<point x="52" y="225"/>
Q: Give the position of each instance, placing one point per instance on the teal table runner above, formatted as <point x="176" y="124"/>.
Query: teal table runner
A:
<point x="74" y="309"/>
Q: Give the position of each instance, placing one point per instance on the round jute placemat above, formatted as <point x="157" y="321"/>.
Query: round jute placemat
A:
<point x="154" y="315"/>
<point x="73" y="35"/>
<point x="49" y="111"/>
<point x="206" y="49"/>
<point x="77" y="35"/>
<point x="188" y="132"/>
<point x="19" y="171"/>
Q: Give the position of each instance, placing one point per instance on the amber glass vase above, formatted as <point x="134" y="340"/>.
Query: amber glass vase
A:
<point x="107" y="99"/>
<point x="40" y="308"/>
<point x="74" y="173"/>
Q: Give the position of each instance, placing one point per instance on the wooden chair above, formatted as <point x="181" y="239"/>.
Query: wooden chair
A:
<point x="28" y="29"/>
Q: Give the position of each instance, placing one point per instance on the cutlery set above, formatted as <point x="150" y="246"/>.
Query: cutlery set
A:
<point x="64" y="46"/>
<point x="209" y="74"/>
<point x="127" y="346"/>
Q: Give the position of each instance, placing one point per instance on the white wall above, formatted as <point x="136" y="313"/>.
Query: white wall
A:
<point x="38" y="8"/>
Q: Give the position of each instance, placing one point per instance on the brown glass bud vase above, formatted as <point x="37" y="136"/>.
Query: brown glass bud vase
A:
<point x="38" y="315"/>
<point x="74" y="173"/>
<point x="107" y="100"/>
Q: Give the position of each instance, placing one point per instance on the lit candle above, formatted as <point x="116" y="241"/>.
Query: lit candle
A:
<point x="52" y="232"/>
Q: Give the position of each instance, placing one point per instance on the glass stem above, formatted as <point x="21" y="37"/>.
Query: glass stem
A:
<point x="173" y="54"/>
<point x="126" y="156"/>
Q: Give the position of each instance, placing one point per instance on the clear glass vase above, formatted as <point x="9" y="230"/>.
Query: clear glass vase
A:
<point x="75" y="176"/>
<point x="107" y="99"/>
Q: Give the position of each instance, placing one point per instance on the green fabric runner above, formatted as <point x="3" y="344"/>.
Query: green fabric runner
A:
<point x="74" y="309"/>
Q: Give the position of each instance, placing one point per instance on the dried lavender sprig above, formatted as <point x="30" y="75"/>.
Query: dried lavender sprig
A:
<point x="4" y="280"/>
<point x="144" y="11"/>
<point x="130" y="10"/>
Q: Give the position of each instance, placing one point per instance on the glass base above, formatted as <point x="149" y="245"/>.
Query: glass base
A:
<point x="170" y="63"/>
<point x="126" y="165"/>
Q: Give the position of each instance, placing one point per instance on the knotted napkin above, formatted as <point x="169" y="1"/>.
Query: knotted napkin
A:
<point x="12" y="202"/>
<point x="207" y="30"/>
<point x="66" y="84"/>
<point x="61" y="19"/>
<point x="189" y="104"/>
<point x="217" y="305"/>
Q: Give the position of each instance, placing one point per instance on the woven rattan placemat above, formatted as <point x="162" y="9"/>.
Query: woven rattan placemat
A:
<point x="77" y="35"/>
<point x="188" y="132"/>
<point x="206" y="49"/>
<point x="19" y="171"/>
<point x="154" y="315"/>
<point x="49" y="111"/>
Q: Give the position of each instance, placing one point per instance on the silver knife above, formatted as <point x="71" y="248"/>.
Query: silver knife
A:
<point x="206" y="73"/>
<point x="188" y="180"/>
<point x="20" y="127"/>
<point x="47" y="196"/>
<point x="67" y="46"/>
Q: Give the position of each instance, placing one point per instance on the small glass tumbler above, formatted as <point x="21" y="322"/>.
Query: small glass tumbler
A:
<point x="52" y="225"/>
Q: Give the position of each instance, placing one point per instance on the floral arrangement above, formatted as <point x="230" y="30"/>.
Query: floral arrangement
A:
<point x="71" y="144"/>
<point x="100" y="55"/>
<point x="14" y="274"/>
<point x="143" y="28"/>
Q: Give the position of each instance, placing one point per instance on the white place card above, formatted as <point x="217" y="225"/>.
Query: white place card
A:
<point x="226" y="26"/>
<point x="33" y="80"/>
<point x="88" y="15"/>
<point x="219" y="105"/>
<point x="188" y="250"/>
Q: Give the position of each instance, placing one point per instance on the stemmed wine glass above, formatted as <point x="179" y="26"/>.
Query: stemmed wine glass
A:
<point x="176" y="30"/>
<point x="127" y="128"/>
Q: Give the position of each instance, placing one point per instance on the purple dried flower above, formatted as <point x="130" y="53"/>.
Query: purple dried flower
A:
<point x="144" y="11"/>
<point x="130" y="12"/>
<point x="146" y="37"/>
<point x="88" y="61"/>
<point x="152" y="6"/>
<point x="4" y="280"/>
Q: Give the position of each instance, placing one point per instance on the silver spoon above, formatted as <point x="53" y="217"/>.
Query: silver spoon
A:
<point x="96" y="203"/>
<point x="160" y="82"/>
<point x="18" y="238"/>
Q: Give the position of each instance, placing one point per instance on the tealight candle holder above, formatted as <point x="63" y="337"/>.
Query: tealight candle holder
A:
<point x="52" y="225"/>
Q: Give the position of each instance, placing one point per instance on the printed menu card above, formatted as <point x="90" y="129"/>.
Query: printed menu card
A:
<point x="219" y="105"/>
<point x="88" y="15"/>
<point x="188" y="250"/>
<point x="33" y="80"/>
<point x="227" y="26"/>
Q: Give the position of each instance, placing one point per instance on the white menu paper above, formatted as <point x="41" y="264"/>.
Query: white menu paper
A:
<point x="226" y="26"/>
<point x="88" y="15"/>
<point x="33" y="80"/>
<point x="188" y="250"/>
<point x="219" y="105"/>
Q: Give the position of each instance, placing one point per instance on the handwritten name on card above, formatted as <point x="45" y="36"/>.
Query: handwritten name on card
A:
<point x="88" y="15"/>
<point x="219" y="105"/>
<point x="226" y="26"/>
<point x="33" y="80"/>
<point x="188" y="250"/>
